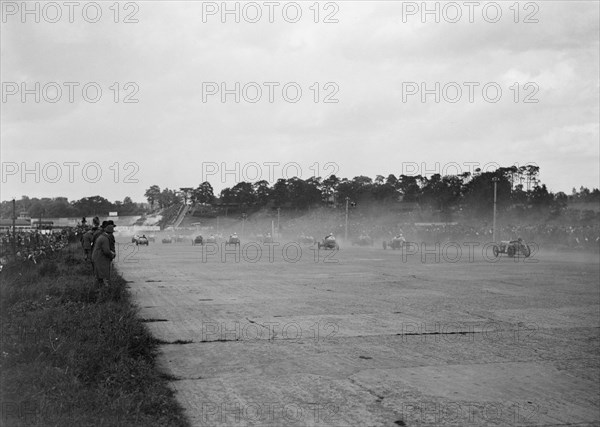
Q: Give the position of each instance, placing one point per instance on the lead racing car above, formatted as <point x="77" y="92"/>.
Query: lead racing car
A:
<point x="512" y="248"/>
<point x="397" y="242"/>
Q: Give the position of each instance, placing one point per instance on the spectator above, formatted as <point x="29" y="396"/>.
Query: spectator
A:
<point x="102" y="256"/>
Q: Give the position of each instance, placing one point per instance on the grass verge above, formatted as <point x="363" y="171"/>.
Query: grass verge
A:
<point x="73" y="354"/>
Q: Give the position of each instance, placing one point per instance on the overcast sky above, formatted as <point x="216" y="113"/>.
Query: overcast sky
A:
<point x="374" y="61"/>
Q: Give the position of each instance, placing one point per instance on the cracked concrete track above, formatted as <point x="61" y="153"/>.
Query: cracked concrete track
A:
<point x="372" y="340"/>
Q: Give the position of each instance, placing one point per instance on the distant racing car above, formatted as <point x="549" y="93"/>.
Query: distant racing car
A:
<point x="396" y="243"/>
<point x="512" y="248"/>
<point x="167" y="240"/>
<point x="141" y="240"/>
<point x="233" y="240"/>
<point x="198" y="240"/>
<point x="328" y="243"/>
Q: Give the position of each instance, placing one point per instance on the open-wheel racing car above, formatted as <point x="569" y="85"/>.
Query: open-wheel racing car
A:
<point x="397" y="242"/>
<point x="512" y="248"/>
<point x="198" y="240"/>
<point x="211" y="239"/>
<point x="167" y="240"/>
<point x="141" y="240"/>
<point x="328" y="243"/>
<point x="233" y="240"/>
<point x="363" y="240"/>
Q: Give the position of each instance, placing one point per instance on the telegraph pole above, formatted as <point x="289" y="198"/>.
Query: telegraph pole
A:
<point x="495" y="181"/>
<point x="14" y="219"/>
<point x="243" y="222"/>
<point x="346" y="226"/>
<point x="278" y="210"/>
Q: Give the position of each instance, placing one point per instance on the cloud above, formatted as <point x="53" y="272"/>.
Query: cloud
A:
<point x="366" y="58"/>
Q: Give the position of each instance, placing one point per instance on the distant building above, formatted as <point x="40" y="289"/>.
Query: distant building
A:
<point x="20" y="224"/>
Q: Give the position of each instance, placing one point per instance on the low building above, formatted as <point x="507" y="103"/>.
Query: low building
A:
<point x="20" y="225"/>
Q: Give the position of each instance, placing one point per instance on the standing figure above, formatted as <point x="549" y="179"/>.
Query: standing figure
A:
<point x="102" y="256"/>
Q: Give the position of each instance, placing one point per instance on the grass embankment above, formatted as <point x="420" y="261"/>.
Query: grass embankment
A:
<point x="75" y="355"/>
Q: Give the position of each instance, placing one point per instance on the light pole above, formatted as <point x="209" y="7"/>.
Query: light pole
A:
<point x="14" y="218"/>
<point x="243" y="222"/>
<point x="346" y="226"/>
<point x="278" y="210"/>
<point x="495" y="181"/>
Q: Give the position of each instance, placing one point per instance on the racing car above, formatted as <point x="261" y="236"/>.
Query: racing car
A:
<point x="167" y="240"/>
<point x="141" y="240"/>
<point x="134" y="238"/>
<point x="363" y="240"/>
<point x="211" y="239"/>
<point x="328" y="243"/>
<point x="512" y="248"/>
<point x="233" y="240"/>
<point x="396" y="243"/>
<point x="198" y="240"/>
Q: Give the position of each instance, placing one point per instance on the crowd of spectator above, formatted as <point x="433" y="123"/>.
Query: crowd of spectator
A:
<point x="34" y="245"/>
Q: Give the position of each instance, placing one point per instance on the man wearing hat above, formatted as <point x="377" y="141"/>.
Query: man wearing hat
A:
<point x="102" y="255"/>
<point x="98" y="232"/>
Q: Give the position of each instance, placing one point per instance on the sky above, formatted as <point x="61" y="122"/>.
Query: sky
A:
<point x="108" y="100"/>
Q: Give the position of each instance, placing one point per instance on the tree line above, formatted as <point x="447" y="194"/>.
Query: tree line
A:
<point x="60" y="207"/>
<point x="516" y="188"/>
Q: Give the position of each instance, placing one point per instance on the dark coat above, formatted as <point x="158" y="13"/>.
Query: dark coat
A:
<point x="111" y="241"/>
<point x="86" y="240"/>
<point x="102" y="257"/>
<point x="97" y="233"/>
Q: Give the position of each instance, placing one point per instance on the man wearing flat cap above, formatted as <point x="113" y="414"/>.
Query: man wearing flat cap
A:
<point x="102" y="255"/>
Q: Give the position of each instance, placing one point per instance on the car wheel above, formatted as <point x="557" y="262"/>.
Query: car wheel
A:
<point x="526" y="251"/>
<point x="496" y="251"/>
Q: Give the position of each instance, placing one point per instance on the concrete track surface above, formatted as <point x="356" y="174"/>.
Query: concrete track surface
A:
<point x="368" y="337"/>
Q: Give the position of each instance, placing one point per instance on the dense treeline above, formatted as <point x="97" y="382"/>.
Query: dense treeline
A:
<point x="60" y="207"/>
<point x="518" y="189"/>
